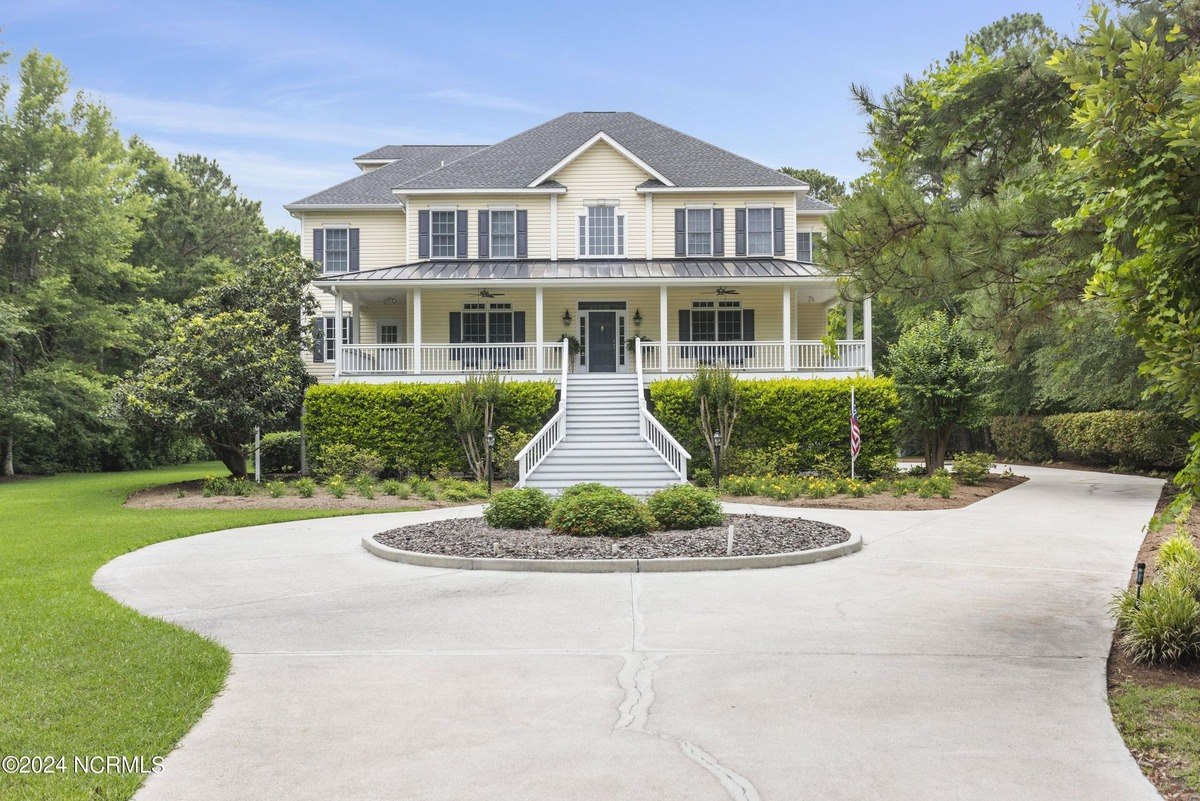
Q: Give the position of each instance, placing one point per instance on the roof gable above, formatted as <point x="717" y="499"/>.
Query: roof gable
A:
<point x="588" y="145"/>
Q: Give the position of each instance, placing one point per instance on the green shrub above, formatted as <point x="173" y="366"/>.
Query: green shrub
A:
<point x="423" y="489"/>
<point x="518" y="508"/>
<point x="305" y="487"/>
<point x="508" y="444"/>
<point x="1179" y="558"/>
<point x="276" y="488"/>
<point x="397" y="489"/>
<point x="1022" y="438"/>
<point x="973" y="468"/>
<point x="810" y="416"/>
<point x="941" y="485"/>
<point x="365" y="486"/>
<point x="407" y="424"/>
<point x="1164" y="626"/>
<point x="602" y="512"/>
<point x="457" y="491"/>
<point x="343" y="459"/>
<point x="684" y="507"/>
<point x="588" y="488"/>
<point x="242" y="487"/>
<point x="701" y="476"/>
<point x="1125" y="438"/>
<point x="280" y="452"/>
<point x="336" y="486"/>
<point x="216" y="485"/>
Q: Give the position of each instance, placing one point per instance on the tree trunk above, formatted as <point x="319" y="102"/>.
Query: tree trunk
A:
<point x="941" y="445"/>
<point x="232" y="457"/>
<point x="8" y="454"/>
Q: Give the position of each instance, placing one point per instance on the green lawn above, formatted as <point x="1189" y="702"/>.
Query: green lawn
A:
<point x="1163" y="725"/>
<point x="79" y="673"/>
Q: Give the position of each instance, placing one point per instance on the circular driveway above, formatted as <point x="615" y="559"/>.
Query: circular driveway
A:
<point x="961" y="654"/>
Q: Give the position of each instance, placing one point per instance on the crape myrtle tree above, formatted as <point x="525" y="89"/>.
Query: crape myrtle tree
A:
<point x="1135" y="165"/>
<point x="232" y="361"/>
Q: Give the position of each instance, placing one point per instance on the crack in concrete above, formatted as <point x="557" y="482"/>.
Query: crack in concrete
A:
<point x="633" y="713"/>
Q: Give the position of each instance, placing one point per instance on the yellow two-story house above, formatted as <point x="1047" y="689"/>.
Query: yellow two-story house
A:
<point x="596" y="244"/>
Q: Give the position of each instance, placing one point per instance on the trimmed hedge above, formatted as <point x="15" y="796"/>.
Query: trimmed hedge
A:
<point x="408" y="424"/>
<point x="280" y="452"/>
<point x="1022" y="438"/>
<point x="1121" y="437"/>
<point x="811" y="415"/>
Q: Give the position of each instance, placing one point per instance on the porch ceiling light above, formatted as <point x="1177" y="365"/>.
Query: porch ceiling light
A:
<point x="567" y="318"/>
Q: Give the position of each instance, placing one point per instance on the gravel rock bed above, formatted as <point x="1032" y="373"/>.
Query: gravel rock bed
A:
<point x="753" y="535"/>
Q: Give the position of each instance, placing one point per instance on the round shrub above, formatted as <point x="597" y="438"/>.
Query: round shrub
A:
<point x="604" y="512"/>
<point x="518" y="508"/>
<point x="684" y="507"/>
<point x="973" y="468"/>
<point x="280" y="452"/>
<point x="588" y="488"/>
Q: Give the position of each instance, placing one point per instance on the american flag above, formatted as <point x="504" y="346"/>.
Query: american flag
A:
<point x="855" y="431"/>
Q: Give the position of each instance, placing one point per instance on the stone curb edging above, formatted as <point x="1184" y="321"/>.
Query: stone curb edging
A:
<point x="676" y="564"/>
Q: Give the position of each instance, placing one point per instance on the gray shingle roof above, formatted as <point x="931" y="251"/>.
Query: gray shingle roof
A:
<point x="525" y="269"/>
<point x="807" y="203"/>
<point x="519" y="160"/>
<point x="375" y="187"/>
<point x="400" y="151"/>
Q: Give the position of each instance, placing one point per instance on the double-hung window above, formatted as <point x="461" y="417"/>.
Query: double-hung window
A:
<point x="760" y="232"/>
<point x="806" y="242"/>
<point x="601" y="231"/>
<point x="487" y="322"/>
<point x="443" y="234"/>
<point x="699" y="232"/>
<point x="336" y="258"/>
<point x="326" y="344"/>
<point x="503" y="244"/>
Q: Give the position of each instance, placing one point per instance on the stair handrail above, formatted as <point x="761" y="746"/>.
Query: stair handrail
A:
<point x="652" y="431"/>
<point x="544" y="441"/>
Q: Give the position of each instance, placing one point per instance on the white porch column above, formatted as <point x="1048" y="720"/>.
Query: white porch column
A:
<point x="787" y="328"/>
<point x="337" y="333"/>
<point x="867" y="333"/>
<point x="662" y="328"/>
<point x="554" y="228"/>
<point x="539" y="329"/>
<point x="849" y="319"/>
<point x="417" y="331"/>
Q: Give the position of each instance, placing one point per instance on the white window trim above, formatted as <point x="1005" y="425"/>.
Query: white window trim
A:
<point x="620" y="230"/>
<point x="716" y="307"/>
<point x="325" y="248"/>
<point x="687" y="230"/>
<point x="771" y="230"/>
<point x="453" y="212"/>
<point x="491" y="210"/>
<point x="487" y="311"/>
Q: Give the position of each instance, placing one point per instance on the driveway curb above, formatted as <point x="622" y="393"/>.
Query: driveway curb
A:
<point x="664" y="565"/>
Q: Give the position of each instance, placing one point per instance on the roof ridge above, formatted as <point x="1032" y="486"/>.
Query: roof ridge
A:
<point x="484" y="149"/>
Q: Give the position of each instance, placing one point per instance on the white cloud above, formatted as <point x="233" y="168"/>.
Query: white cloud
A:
<point x="459" y="97"/>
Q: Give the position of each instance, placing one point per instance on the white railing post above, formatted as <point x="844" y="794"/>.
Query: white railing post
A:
<point x="539" y="328"/>
<point x="544" y="441"/>
<point x="867" y="337"/>
<point x="337" y="334"/>
<point x="663" y="327"/>
<point x="787" y="328"/>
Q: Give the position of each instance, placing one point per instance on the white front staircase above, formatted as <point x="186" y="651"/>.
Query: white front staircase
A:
<point x="603" y="440"/>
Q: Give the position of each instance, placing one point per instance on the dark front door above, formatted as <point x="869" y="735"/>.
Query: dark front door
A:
<point x="602" y="342"/>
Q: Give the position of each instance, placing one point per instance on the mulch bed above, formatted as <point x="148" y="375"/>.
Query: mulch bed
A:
<point x="753" y="535"/>
<point x="167" y="496"/>
<point x="962" y="496"/>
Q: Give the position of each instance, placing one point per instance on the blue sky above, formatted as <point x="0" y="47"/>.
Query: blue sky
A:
<point x="285" y="94"/>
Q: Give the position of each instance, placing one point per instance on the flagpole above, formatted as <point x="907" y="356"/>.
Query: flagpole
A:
<point x="853" y="455"/>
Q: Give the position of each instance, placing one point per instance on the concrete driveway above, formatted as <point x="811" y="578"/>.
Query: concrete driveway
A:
<point x="959" y="655"/>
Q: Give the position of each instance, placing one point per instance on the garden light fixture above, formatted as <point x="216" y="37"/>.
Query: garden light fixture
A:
<point x="491" y="441"/>
<point x="1141" y="576"/>
<point x="717" y="458"/>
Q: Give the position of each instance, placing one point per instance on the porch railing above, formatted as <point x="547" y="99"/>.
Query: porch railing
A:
<point x="652" y="431"/>
<point x="544" y="441"/>
<point x="515" y="357"/>
<point x="682" y="357"/>
<point x="376" y="359"/>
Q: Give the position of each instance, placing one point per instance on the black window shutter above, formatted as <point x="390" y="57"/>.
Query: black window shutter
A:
<point x="455" y="335"/>
<point x="779" y="232"/>
<point x="519" y="326"/>
<point x="739" y="236"/>
<point x="423" y="234"/>
<point x="319" y="247"/>
<point x="718" y="239"/>
<point x="685" y="331"/>
<point x="522" y="233"/>
<point x="353" y="245"/>
<point x="461" y="246"/>
<point x="680" y="232"/>
<point x="318" y="351"/>
<point x="484" y="242"/>
<point x="748" y="329"/>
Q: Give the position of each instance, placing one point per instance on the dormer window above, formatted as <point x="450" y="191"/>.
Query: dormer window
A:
<point x="602" y="231"/>
<point x="443" y="234"/>
<point x="699" y="232"/>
